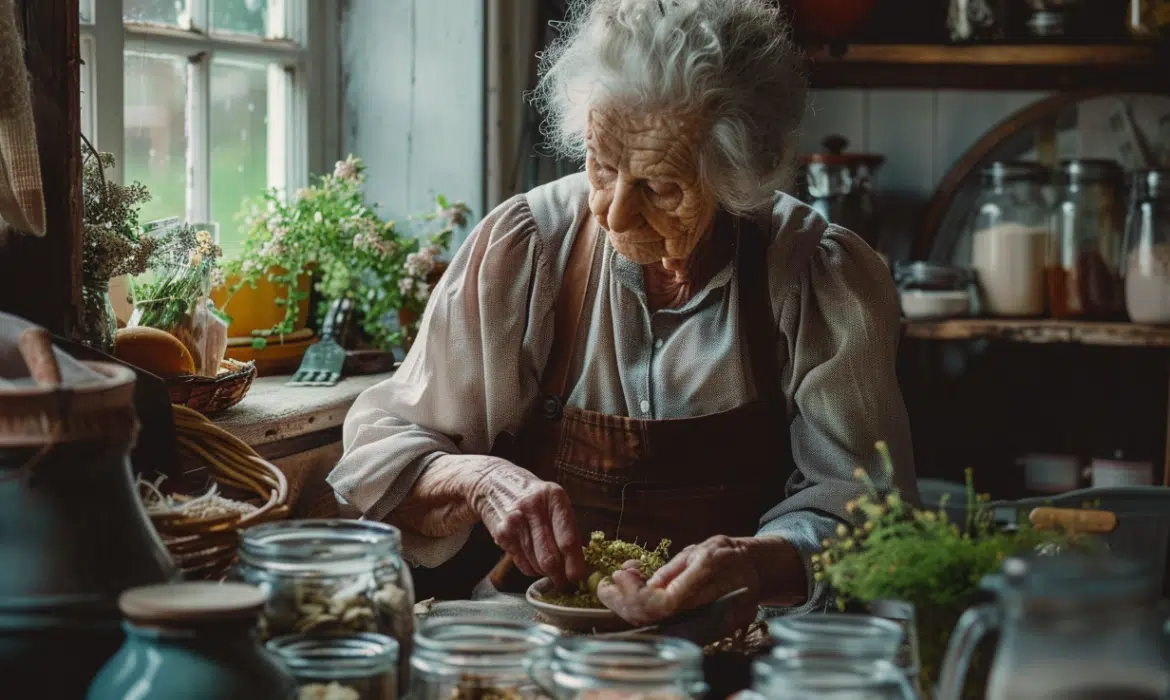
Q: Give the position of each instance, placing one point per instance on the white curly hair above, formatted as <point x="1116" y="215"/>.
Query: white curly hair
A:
<point x="733" y="61"/>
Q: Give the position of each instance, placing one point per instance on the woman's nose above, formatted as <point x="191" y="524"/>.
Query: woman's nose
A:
<point x="625" y="208"/>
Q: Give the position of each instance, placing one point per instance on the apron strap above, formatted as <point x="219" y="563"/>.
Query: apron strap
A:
<point x="758" y="322"/>
<point x="570" y="307"/>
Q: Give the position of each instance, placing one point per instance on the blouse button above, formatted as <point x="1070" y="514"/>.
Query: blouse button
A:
<point x="658" y="344"/>
<point x="645" y="406"/>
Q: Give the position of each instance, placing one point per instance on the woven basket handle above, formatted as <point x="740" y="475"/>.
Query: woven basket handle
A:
<point x="36" y="347"/>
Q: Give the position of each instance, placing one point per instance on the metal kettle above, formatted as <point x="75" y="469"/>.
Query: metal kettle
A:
<point x="73" y="533"/>
<point x="1072" y="626"/>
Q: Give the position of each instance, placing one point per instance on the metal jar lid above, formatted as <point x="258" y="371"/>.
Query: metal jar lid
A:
<point x="933" y="275"/>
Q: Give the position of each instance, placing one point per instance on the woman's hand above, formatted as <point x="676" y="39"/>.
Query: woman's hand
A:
<point x="704" y="572"/>
<point x="530" y="519"/>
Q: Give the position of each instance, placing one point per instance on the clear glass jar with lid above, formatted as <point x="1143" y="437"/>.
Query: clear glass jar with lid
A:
<point x="1084" y="257"/>
<point x="1009" y="239"/>
<point x="832" y="656"/>
<point x="1146" y="270"/>
<point x="933" y="291"/>
<point x="634" y="667"/>
<point x="331" y="577"/>
<point x="355" y="667"/>
<point x="462" y="658"/>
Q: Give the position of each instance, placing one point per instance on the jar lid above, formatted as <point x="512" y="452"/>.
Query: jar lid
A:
<point x="317" y="544"/>
<point x="336" y="657"/>
<point x="47" y="397"/>
<point x="192" y="602"/>
<point x="1016" y="171"/>
<point x="923" y="272"/>
<point x="834" y="154"/>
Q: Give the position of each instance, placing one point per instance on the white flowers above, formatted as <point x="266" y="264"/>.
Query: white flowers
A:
<point x="411" y="287"/>
<point x="421" y="264"/>
<point x="347" y="169"/>
<point x="369" y="236"/>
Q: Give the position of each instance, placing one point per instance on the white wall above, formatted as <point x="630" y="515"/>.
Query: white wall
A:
<point x="414" y="100"/>
<point x="920" y="132"/>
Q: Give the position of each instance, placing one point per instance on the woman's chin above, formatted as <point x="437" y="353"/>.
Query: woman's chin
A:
<point x="642" y="253"/>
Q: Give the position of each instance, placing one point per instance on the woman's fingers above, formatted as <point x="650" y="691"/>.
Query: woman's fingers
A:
<point x="543" y="544"/>
<point x="674" y="567"/>
<point x="564" y="530"/>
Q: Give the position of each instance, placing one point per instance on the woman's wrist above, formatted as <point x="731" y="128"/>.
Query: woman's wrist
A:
<point x="780" y="569"/>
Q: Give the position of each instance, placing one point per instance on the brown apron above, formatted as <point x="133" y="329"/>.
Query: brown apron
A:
<point x="645" y="480"/>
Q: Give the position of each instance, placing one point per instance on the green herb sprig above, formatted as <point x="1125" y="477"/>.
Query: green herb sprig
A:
<point x="605" y="557"/>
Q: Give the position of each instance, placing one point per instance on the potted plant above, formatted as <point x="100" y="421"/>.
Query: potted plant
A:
<point x="919" y="556"/>
<point x="328" y="232"/>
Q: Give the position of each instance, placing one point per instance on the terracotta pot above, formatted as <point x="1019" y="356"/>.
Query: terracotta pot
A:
<point x="830" y="20"/>
<point x="256" y="309"/>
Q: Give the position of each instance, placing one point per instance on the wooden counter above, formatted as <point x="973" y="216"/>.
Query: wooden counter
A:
<point x="299" y="430"/>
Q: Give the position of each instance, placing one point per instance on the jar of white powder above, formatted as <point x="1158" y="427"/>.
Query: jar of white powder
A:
<point x="1147" y="248"/>
<point x="1009" y="239"/>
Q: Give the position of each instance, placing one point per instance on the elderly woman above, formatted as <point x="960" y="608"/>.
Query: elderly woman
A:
<point x="659" y="347"/>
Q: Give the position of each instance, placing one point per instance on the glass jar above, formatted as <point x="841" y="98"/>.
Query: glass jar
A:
<point x="1084" y="256"/>
<point x="832" y="656"/>
<point x="192" y="640"/>
<point x="626" y="668"/>
<point x="357" y="667"/>
<point x="932" y="291"/>
<point x="1147" y="250"/>
<point x="1009" y="239"/>
<point x="460" y="658"/>
<point x="332" y="577"/>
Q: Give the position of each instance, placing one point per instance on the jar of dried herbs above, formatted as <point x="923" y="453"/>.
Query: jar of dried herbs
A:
<point x="634" y="667"/>
<point x="460" y="658"/>
<point x="352" y="667"/>
<point x="329" y="578"/>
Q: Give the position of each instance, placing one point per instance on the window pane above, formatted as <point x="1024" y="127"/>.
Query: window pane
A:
<point x="239" y="143"/>
<point x="88" y="99"/>
<point x="85" y="11"/>
<point x="240" y="16"/>
<point x="158" y="11"/>
<point x="156" y="131"/>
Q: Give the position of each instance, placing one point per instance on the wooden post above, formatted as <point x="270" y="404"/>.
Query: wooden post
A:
<point x="40" y="278"/>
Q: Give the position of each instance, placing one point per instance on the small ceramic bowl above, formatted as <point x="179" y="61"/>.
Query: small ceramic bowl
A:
<point x="572" y="619"/>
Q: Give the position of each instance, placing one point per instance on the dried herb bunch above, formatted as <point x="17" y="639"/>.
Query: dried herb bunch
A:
<point x="605" y="557"/>
<point x="112" y="244"/>
<point x="183" y="269"/>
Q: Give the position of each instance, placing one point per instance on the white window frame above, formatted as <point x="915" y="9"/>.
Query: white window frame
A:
<point x="304" y="67"/>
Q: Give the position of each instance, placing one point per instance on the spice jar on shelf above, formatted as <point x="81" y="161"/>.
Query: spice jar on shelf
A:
<point x="458" y="658"/>
<point x="1082" y="272"/>
<point x="1147" y="250"/>
<point x="1009" y="239"/>
<point x="931" y="291"/>
<point x="328" y="578"/>
<point x="635" y="667"/>
<point x="355" y="667"/>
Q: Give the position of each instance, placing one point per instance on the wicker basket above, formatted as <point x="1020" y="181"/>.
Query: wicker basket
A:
<point x="210" y="395"/>
<point x="204" y="548"/>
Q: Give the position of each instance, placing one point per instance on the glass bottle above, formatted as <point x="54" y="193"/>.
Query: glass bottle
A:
<point x="192" y="640"/>
<point x="359" y="667"/>
<point x="332" y="577"/>
<point x="635" y="667"/>
<point x="932" y="291"/>
<point x="1084" y="258"/>
<point x="1009" y="239"/>
<point x="832" y="656"/>
<point x="477" y="659"/>
<point x="1146" y="269"/>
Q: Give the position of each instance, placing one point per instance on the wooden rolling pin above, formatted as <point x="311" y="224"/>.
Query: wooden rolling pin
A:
<point x="1073" y="520"/>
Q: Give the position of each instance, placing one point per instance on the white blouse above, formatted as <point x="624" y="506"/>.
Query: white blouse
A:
<point x="475" y="368"/>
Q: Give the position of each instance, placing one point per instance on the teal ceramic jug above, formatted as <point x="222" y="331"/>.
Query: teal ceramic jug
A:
<point x="192" y="641"/>
<point x="73" y="534"/>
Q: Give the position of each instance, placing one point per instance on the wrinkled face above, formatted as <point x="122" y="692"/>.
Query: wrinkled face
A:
<point x="644" y="185"/>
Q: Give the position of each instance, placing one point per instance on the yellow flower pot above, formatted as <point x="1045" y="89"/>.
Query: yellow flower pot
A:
<point x="256" y="309"/>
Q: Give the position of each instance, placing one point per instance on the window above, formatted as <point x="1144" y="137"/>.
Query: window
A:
<point x="206" y="102"/>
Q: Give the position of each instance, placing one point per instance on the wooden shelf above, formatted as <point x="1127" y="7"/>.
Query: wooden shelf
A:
<point x="999" y="67"/>
<point x="1043" y="331"/>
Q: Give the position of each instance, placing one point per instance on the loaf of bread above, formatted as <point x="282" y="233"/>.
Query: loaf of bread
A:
<point x="155" y="351"/>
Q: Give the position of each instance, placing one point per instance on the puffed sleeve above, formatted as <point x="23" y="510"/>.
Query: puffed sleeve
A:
<point x="840" y="323"/>
<point x="471" y="374"/>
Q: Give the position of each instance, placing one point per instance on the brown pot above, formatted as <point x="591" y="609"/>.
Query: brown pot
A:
<point x="256" y="309"/>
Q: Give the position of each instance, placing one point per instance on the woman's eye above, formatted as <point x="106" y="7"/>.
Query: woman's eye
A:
<point x="663" y="189"/>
